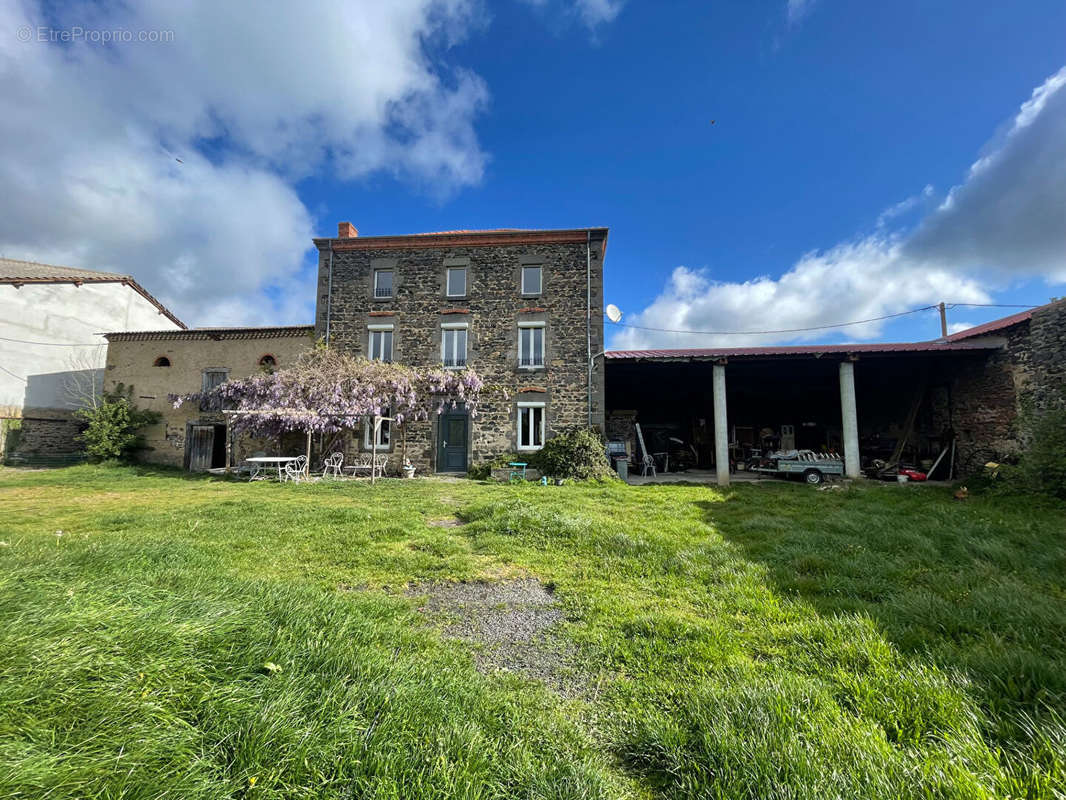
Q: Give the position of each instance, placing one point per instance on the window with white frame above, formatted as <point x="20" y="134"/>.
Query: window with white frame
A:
<point x="384" y="436"/>
<point x="383" y="282"/>
<point x="456" y="282"/>
<point x="531" y="276"/>
<point x="380" y="343"/>
<point x="530" y="426"/>
<point x="453" y="344"/>
<point x="531" y="345"/>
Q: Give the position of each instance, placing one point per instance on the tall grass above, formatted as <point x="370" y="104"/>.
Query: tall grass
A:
<point x="198" y="638"/>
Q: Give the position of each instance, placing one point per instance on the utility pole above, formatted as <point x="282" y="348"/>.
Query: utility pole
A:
<point x="943" y="321"/>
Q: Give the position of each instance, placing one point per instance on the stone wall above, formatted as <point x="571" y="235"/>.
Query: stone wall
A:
<point x="51" y="435"/>
<point x="1047" y="360"/>
<point x="492" y="308"/>
<point x="988" y="396"/>
<point x="131" y="360"/>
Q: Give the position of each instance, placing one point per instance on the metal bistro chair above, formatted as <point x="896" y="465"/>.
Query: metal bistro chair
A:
<point x="294" y="470"/>
<point x="332" y="465"/>
<point x="647" y="464"/>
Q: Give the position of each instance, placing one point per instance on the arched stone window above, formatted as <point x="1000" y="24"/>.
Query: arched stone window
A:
<point x="268" y="363"/>
<point x="162" y="361"/>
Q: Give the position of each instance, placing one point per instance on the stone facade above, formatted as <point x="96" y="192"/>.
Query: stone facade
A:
<point x="133" y="359"/>
<point x="986" y="397"/>
<point x="492" y="309"/>
<point x="1047" y="359"/>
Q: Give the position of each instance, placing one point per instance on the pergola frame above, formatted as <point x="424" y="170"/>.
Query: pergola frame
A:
<point x="378" y="419"/>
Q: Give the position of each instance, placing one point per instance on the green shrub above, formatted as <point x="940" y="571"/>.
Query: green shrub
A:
<point x="578" y="454"/>
<point x="1042" y="467"/>
<point x="10" y="431"/>
<point x="113" y="426"/>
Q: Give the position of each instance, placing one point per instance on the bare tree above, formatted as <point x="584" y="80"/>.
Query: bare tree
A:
<point x="84" y="383"/>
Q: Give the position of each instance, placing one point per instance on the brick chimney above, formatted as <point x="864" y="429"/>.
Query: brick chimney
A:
<point x="346" y="230"/>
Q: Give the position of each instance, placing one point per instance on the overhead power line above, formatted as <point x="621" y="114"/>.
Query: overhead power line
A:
<point x="55" y="344"/>
<point x="12" y="374"/>
<point x="820" y="327"/>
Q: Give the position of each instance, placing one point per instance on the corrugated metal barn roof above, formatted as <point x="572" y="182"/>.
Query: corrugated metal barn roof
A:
<point x="704" y="353"/>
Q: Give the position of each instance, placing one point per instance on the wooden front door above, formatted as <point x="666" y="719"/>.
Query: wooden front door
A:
<point x="201" y="447"/>
<point x="453" y="432"/>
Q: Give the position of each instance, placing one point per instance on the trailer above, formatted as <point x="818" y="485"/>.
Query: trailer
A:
<point x="813" y="470"/>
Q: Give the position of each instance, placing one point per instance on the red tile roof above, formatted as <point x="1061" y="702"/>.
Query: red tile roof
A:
<point x="465" y="238"/>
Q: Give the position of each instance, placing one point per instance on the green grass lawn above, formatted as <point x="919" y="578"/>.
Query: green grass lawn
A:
<point x="169" y="636"/>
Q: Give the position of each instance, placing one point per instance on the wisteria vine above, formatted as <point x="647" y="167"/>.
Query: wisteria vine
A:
<point x="327" y="392"/>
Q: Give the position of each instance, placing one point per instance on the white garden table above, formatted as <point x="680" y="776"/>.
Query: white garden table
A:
<point x="264" y="462"/>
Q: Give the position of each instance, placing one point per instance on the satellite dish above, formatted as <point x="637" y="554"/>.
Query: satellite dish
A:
<point x="614" y="314"/>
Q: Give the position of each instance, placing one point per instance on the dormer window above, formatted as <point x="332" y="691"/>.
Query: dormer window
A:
<point x="162" y="361"/>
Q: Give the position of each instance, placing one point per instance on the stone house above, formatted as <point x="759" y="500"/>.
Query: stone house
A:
<point x="157" y="364"/>
<point x="521" y="307"/>
<point x="52" y="352"/>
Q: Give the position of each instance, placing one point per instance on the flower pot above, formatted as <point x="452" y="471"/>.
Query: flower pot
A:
<point x="408" y="471"/>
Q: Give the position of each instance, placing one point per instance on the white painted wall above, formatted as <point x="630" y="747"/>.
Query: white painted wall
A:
<point x="34" y="372"/>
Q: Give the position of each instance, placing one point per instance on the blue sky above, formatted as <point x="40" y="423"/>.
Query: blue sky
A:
<point x="819" y="194"/>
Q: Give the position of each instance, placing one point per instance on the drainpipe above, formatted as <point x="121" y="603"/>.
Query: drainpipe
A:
<point x="588" y="316"/>
<point x="329" y="290"/>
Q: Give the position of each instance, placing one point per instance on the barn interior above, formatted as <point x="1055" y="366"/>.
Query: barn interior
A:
<point x="782" y="401"/>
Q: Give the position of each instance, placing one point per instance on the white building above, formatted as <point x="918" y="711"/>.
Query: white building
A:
<point x="51" y="350"/>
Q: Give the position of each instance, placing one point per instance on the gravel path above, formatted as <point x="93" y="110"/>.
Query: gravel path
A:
<point x="512" y="623"/>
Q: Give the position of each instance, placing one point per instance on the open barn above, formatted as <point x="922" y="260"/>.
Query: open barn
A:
<point x="876" y="408"/>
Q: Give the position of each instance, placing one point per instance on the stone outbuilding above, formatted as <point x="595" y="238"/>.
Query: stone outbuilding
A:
<point x="157" y="364"/>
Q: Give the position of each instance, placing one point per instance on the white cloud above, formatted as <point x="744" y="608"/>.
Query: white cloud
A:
<point x="860" y="280"/>
<point x="251" y="99"/>
<point x="798" y="9"/>
<point x="1008" y="217"/>
<point x="959" y="327"/>
<point x="1005" y="222"/>
<point x="597" y="12"/>
<point x="592" y="13"/>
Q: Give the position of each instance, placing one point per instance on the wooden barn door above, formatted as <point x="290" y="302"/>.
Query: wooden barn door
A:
<point x="201" y="447"/>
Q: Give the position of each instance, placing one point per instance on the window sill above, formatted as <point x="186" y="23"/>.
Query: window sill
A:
<point x="464" y="366"/>
<point x="531" y="369"/>
<point x="533" y="449"/>
<point x="377" y="299"/>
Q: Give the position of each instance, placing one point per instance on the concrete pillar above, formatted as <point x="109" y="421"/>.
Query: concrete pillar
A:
<point x="850" y="418"/>
<point x="721" y="427"/>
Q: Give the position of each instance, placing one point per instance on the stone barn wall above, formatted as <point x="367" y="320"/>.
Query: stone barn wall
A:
<point x="987" y="397"/>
